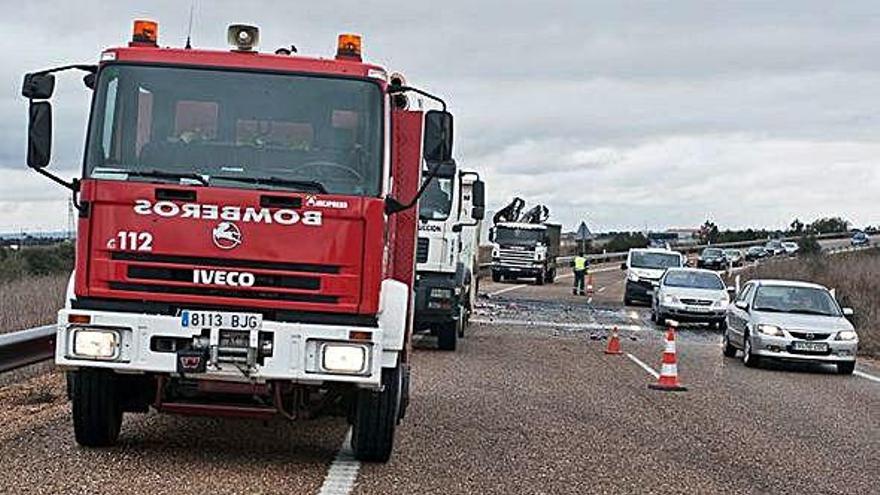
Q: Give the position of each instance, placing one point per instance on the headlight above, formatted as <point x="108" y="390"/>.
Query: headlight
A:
<point x="632" y="276"/>
<point x="847" y="335"/>
<point x="772" y="330"/>
<point x="440" y="293"/>
<point x="721" y="302"/>
<point x="341" y="358"/>
<point x="96" y="344"/>
<point x="670" y="299"/>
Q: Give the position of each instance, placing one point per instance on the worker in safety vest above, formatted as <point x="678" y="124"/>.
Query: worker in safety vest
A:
<point x="580" y="271"/>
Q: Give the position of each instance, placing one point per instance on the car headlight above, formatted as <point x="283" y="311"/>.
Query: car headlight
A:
<point x="847" y="335"/>
<point x="343" y="358"/>
<point x="670" y="299"/>
<point x="96" y="343"/>
<point x="771" y="330"/>
<point x="632" y="277"/>
<point x="721" y="303"/>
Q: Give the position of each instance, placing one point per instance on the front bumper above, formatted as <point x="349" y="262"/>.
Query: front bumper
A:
<point x="780" y="348"/>
<point x="687" y="313"/>
<point x="518" y="270"/>
<point x="643" y="290"/>
<point x="297" y="351"/>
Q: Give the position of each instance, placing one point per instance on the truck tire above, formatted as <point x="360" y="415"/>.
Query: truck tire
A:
<point x="97" y="410"/>
<point x="447" y="335"/>
<point x="372" y="435"/>
<point x="539" y="279"/>
<point x="496" y="277"/>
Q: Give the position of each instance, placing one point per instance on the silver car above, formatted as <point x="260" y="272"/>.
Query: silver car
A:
<point x="790" y="321"/>
<point x="690" y="294"/>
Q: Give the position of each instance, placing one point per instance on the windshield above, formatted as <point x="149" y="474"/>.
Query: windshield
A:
<point x="693" y="280"/>
<point x="642" y="259"/>
<point x="161" y="123"/>
<point x="712" y="252"/>
<point x="518" y="237"/>
<point x="807" y="300"/>
<point x="733" y="253"/>
<point x="437" y="200"/>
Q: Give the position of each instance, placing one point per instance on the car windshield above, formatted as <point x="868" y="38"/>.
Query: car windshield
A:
<point x="506" y="236"/>
<point x="693" y="280"/>
<point x="437" y="200"/>
<point x="805" y="300"/>
<point x="645" y="259"/>
<point x="710" y="252"/>
<point x="732" y="252"/>
<point x="860" y="235"/>
<point x="236" y="129"/>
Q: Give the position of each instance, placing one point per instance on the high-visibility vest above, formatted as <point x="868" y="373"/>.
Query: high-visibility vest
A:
<point x="580" y="263"/>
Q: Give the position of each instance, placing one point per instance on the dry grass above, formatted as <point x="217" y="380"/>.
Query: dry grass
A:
<point x="856" y="276"/>
<point x="31" y="301"/>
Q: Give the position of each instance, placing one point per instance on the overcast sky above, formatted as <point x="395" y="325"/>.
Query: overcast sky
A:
<point x="625" y="114"/>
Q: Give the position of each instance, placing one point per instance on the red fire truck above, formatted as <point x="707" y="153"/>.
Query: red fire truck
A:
<point x="246" y="234"/>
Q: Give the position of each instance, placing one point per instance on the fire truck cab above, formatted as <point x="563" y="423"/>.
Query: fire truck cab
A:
<point x="246" y="235"/>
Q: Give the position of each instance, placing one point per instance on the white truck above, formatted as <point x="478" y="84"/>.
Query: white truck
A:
<point x="525" y="245"/>
<point x="450" y="218"/>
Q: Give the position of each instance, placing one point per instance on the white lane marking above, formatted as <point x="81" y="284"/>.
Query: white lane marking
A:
<point x="644" y="366"/>
<point x="507" y="289"/>
<point x="556" y="324"/>
<point x="866" y="376"/>
<point x="343" y="470"/>
<point x="601" y="289"/>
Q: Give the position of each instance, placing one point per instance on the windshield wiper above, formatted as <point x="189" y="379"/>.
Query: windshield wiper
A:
<point x="164" y="175"/>
<point x="309" y="185"/>
<point x="809" y="311"/>
<point x="770" y="310"/>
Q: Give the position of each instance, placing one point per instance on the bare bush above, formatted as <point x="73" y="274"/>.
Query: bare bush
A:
<point x="31" y="301"/>
<point x="856" y="278"/>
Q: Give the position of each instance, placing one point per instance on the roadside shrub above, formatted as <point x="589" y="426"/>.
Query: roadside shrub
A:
<point x="808" y="244"/>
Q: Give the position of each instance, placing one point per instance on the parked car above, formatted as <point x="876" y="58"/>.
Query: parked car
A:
<point x="736" y="257"/>
<point x="790" y="321"/>
<point x="774" y="247"/>
<point x="712" y="258"/>
<point x="690" y="294"/>
<point x="791" y="248"/>
<point x="859" y="239"/>
<point x="755" y="253"/>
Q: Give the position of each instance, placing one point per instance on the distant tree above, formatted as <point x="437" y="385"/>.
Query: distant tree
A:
<point x="808" y="244"/>
<point x="796" y="227"/>
<point x="829" y="224"/>
<point x="709" y="232"/>
<point x="625" y="241"/>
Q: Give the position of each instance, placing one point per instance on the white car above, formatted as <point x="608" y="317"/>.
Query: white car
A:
<point x="644" y="267"/>
<point x="790" y="321"/>
<point x="690" y="294"/>
<point x="791" y="248"/>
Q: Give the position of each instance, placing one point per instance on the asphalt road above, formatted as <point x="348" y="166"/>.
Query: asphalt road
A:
<point x="529" y="404"/>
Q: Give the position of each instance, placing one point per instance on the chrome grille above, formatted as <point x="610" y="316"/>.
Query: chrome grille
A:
<point x="516" y="257"/>
<point x="696" y="302"/>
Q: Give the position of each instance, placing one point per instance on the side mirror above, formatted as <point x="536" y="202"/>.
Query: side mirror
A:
<point x="437" y="142"/>
<point x="38" y="86"/>
<point x="478" y="210"/>
<point x="623" y="266"/>
<point x="848" y="312"/>
<point x="39" y="134"/>
<point x="742" y="305"/>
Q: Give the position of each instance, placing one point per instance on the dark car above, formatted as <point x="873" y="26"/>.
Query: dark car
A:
<point x="859" y="239"/>
<point x="712" y="259"/>
<point x="755" y="253"/>
<point x="774" y="247"/>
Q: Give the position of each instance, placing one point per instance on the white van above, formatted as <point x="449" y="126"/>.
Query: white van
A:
<point x="644" y="267"/>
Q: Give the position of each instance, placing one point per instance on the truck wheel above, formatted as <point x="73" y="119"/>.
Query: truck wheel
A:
<point x="97" y="410"/>
<point x="496" y="277"/>
<point x="447" y="335"/>
<point x="372" y="435"/>
<point x="462" y="323"/>
<point x="539" y="279"/>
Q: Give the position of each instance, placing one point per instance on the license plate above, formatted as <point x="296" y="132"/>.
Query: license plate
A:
<point x="809" y="346"/>
<point x="220" y="319"/>
<point x="698" y="309"/>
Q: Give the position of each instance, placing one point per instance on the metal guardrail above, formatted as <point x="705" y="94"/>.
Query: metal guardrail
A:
<point x="18" y="349"/>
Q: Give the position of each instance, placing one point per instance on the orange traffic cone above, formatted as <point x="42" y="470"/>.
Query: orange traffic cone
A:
<point x="613" y="343"/>
<point x="669" y="371"/>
